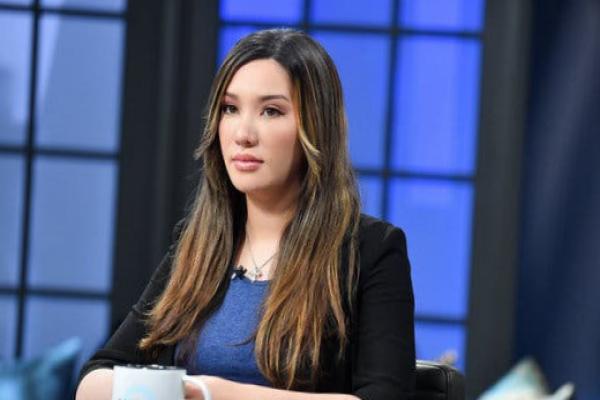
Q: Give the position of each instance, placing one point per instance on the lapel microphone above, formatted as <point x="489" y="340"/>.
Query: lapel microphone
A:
<point x="238" y="272"/>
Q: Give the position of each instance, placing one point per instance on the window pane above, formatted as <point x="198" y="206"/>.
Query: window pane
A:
<point x="229" y="36"/>
<point x="72" y="224"/>
<point x="366" y="99"/>
<point x="50" y="321"/>
<point x="436" y="217"/>
<point x="100" y="5"/>
<point x="436" y="340"/>
<point x="436" y="107"/>
<point x="15" y="50"/>
<point x="289" y="11"/>
<point x="375" y="12"/>
<point x="11" y="210"/>
<point x="370" y="194"/>
<point x="442" y="14"/>
<point x="8" y="324"/>
<point x="79" y="87"/>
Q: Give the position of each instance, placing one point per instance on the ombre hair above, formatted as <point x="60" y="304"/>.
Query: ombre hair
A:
<point x="311" y="284"/>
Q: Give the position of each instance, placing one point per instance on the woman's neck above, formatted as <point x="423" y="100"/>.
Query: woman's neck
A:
<point x="267" y="220"/>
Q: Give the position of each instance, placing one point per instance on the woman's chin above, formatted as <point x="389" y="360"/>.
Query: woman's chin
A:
<point x="249" y="188"/>
<point x="264" y="192"/>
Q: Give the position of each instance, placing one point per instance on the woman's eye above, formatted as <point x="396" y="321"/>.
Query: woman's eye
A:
<point x="228" y="109"/>
<point x="272" y="112"/>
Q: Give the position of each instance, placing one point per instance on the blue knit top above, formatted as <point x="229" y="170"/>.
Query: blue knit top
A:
<point x="225" y="344"/>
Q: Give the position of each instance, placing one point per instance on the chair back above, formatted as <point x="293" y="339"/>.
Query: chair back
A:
<point x="436" y="381"/>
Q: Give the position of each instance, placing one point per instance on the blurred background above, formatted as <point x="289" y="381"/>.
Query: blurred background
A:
<point x="474" y="126"/>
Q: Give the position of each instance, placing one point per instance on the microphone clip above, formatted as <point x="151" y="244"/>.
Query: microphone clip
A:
<point x="238" y="272"/>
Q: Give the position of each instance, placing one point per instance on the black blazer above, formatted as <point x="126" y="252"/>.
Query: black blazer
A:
<point x="379" y="361"/>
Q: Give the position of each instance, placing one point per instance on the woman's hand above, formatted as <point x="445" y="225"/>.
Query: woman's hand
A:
<point x="219" y="388"/>
<point x="193" y="392"/>
<point x="223" y="389"/>
<point x="97" y="385"/>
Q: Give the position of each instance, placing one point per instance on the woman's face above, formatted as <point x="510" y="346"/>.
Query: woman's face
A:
<point x="258" y="131"/>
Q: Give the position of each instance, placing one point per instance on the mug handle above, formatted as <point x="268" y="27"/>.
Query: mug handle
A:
<point x="200" y="384"/>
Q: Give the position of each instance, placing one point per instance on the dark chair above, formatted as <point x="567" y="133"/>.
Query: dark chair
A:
<point x="437" y="381"/>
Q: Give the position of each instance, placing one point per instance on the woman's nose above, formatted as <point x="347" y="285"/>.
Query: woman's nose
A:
<point x="246" y="134"/>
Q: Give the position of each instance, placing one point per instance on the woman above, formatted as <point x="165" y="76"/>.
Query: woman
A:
<point x="323" y="307"/>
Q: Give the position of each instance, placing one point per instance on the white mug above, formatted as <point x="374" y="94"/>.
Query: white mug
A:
<point x="152" y="382"/>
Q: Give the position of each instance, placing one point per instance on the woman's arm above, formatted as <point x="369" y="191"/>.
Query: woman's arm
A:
<point x="223" y="389"/>
<point x="97" y="385"/>
<point x="383" y="366"/>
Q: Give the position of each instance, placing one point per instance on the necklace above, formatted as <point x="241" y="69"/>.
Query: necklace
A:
<point x="257" y="272"/>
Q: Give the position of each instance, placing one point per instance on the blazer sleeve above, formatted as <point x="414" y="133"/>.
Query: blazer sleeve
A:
<point x="384" y="356"/>
<point x="122" y="347"/>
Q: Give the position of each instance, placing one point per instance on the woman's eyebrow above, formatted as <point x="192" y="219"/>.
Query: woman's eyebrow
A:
<point x="262" y="98"/>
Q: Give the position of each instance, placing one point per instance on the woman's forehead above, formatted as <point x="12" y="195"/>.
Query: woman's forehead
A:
<point x="260" y="78"/>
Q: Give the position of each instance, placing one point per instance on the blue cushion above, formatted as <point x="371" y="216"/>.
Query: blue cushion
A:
<point x="48" y="377"/>
<point x="526" y="381"/>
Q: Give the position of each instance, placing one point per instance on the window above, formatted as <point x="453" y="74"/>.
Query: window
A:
<point x="60" y="91"/>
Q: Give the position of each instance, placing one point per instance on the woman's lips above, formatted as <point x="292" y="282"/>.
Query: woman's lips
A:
<point x="246" y="163"/>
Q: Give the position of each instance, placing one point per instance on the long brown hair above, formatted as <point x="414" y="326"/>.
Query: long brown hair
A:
<point x="306" y="300"/>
